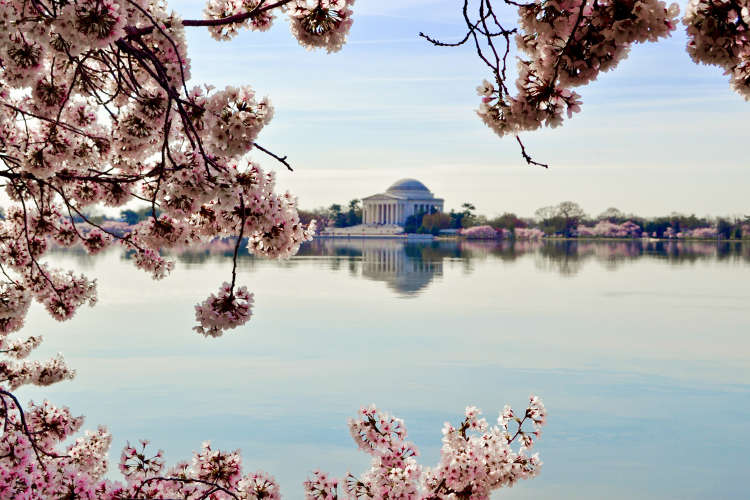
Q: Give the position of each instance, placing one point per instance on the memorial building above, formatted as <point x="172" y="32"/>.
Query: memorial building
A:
<point x="404" y="198"/>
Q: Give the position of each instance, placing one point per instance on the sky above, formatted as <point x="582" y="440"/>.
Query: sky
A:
<point x="656" y="135"/>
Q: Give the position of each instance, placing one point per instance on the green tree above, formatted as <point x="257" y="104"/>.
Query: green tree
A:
<point x="354" y="215"/>
<point x="613" y="215"/>
<point x="724" y="228"/>
<point x="433" y="223"/>
<point x="336" y="215"/>
<point x="507" y="221"/>
<point x="561" y="219"/>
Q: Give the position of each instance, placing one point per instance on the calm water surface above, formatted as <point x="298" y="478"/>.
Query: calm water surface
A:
<point x="640" y="352"/>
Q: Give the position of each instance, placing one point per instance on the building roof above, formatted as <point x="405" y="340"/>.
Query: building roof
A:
<point x="408" y="185"/>
<point x="405" y="189"/>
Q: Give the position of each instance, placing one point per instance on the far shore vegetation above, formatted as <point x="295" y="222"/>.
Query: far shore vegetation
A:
<point x="564" y="220"/>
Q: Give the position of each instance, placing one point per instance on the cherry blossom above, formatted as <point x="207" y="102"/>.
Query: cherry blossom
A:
<point x="719" y="34"/>
<point x="480" y="233"/>
<point x="522" y="233"/>
<point x="476" y="458"/>
<point x="44" y="454"/>
<point x="559" y="45"/>
<point x="226" y="310"/>
<point x="321" y="23"/>
<point x="608" y="229"/>
<point x="565" y="44"/>
<point x="95" y="109"/>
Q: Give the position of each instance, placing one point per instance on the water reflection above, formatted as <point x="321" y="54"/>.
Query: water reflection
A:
<point x="624" y="360"/>
<point x="404" y="268"/>
<point x="408" y="267"/>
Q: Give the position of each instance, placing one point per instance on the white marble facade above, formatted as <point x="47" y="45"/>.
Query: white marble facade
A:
<point x="404" y="198"/>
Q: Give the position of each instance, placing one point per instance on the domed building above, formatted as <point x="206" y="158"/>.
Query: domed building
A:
<point x="404" y="198"/>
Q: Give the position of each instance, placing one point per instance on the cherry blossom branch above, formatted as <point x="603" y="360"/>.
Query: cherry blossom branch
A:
<point x="528" y="157"/>
<point x="499" y="66"/>
<point x="233" y="19"/>
<point x="280" y="159"/>
<point x="184" y="481"/>
<point x="243" y="218"/>
<point x="23" y="421"/>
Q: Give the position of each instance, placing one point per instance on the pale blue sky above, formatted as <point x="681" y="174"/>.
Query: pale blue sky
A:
<point x="657" y="134"/>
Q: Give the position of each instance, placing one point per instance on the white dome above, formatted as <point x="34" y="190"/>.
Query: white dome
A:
<point x="411" y="185"/>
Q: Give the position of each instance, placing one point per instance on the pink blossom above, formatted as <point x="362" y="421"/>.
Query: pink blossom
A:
<point x="480" y="233"/>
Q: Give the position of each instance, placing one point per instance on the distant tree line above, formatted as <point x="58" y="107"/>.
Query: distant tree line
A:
<point x="566" y="219"/>
<point x="335" y="215"/>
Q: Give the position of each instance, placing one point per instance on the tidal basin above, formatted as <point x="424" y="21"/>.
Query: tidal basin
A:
<point x="638" y="349"/>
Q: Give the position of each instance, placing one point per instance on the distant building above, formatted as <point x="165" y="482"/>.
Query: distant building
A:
<point x="404" y="198"/>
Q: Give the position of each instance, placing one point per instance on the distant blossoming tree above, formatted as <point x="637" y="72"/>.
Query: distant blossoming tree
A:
<point x="522" y="233"/>
<point x="481" y="233"/>
<point x="606" y="229"/>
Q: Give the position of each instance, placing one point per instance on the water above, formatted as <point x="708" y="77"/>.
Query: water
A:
<point x="639" y="351"/>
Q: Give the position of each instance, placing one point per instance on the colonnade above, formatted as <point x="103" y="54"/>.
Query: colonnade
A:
<point x="393" y="212"/>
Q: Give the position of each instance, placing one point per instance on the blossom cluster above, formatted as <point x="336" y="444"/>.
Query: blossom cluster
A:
<point x="228" y="309"/>
<point x="321" y="23"/>
<point x="698" y="233"/>
<point x="531" y="233"/>
<point x="489" y="233"/>
<point x="36" y="463"/>
<point x="476" y="458"/>
<point x="314" y="23"/>
<point x="221" y="9"/>
<point x="480" y="233"/>
<point x="606" y="229"/>
<point x="95" y="110"/>
<point x="564" y="44"/>
<point x="719" y="34"/>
